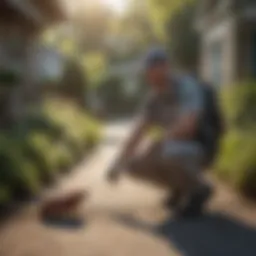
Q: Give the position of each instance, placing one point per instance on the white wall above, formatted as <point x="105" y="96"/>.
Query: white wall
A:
<point x="47" y="63"/>
<point x="223" y="33"/>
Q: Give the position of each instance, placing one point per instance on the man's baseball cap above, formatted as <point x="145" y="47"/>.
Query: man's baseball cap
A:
<point x="155" y="56"/>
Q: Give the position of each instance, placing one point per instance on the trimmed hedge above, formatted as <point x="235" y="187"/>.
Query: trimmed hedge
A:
<point x="237" y="158"/>
<point x="42" y="146"/>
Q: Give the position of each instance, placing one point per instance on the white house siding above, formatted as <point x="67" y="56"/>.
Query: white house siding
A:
<point x="47" y="63"/>
<point x="224" y="35"/>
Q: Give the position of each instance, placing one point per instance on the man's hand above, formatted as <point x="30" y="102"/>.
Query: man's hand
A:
<point x="113" y="176"/>
<point x="114" y="173"/>
<point x="128" y="151"/>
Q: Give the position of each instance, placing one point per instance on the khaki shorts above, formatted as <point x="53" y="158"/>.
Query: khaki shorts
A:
<point x="159" y="162"/>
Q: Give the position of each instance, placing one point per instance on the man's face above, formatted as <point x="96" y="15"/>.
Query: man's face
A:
<point x="157" y="74"/>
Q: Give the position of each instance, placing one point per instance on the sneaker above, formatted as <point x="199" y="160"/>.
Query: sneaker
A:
<point x="173" y="201"/>
<point x="195" y="206"/>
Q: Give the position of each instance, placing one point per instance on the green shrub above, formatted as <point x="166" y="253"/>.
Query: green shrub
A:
<point x="79" y="129"/>
<point x="16" y="170"/>
<point x="40" y="149"/>
<point x="9" y="77"/>
<point x="42" y="145"/>
<point x="237" y="159"/>
<point x="239" y="105"/>
<point x="5" y="195"/>
<point x="64" y="157"/>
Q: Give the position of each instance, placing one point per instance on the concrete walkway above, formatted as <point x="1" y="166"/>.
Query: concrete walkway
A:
<point x="127" y="219"/>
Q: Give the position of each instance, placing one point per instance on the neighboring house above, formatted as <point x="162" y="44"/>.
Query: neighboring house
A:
<point x="21" y="22"/>
<point x="228" y="32"/>
<point x="48" y="64"/>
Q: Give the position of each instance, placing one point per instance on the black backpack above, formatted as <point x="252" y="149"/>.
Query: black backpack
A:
<point x="210" y="128"/>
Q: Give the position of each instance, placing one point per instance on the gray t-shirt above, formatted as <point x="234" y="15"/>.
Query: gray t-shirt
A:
<point x="183" y="97"/>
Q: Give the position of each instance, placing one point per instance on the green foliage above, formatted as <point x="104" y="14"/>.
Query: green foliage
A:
<point x="9" y="77"/>
<point x="237" y="162"/>
<point x="5" y="195"/>
<point x="95" y="65"/>
<point x="79" y="130"/>
<point x="129" y="27"/>
<point x="239" y="105"/>
<point x="183" y="40"/>
<point x="74" y="82"/>
<point x="17" y="171"/>
<point x="42" y="146"/>
<point x="162" y="10"/>
<point x="115" y="95"/>
<point x="111" y="90"/>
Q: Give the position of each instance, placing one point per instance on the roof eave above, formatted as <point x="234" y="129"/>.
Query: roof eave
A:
<point x="31" y="11"/>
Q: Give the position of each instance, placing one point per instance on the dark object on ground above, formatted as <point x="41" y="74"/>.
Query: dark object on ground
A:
<point x="62" y="206"/>
<point x="113" y="176"/>
<point x="64" y="222"/>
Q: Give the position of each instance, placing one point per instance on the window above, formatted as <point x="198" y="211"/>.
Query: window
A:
<point x="216" y="63"/>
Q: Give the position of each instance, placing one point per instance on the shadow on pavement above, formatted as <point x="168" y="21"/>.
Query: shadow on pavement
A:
<point x="64" y="223"/>
<point x="211" y="235"/>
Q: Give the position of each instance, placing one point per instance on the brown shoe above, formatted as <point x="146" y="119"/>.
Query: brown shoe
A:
<point x="173" y="201"/>
<point x="196" y="204"/>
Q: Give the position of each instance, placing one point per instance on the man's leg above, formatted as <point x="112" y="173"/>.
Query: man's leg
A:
<point x="151" y="167"/>
<point x="147" y="166"/>
<point x="183" y="162"/>
<point x="178" y="168"/>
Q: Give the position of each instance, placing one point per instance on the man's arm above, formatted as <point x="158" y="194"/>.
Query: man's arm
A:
<point x="131" y="145"/>
<point x="134" y="140"/>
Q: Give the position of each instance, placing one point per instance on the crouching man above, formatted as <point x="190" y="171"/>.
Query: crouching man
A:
<point x="176" y="159"/>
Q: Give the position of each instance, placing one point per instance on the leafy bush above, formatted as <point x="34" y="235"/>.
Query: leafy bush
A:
<point x="237" y="161"/>
<point x="63" y="157"/>
<point x="111" y="91"/>
<point x="5" y="195"/>
<point x="37" y="122"/>
<point x="74" y="82"/>
<point x="239" y="105"/>
<point x="9" y="77"/>
<point x="121" y="95"/>
<point x="183" y="39"/>
<point x="79" y="130"/>
<point x="43" y="145"/>
<point x="237" y="158"/>
<point x="17" y="170"/>
<point x="39" y="147"/>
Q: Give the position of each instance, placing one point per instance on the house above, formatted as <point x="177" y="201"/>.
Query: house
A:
<point x="21" y="22"/>
<point x="228" y="40"/>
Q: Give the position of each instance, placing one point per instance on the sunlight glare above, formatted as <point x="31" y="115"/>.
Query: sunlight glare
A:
<point x="116" y="5"/>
